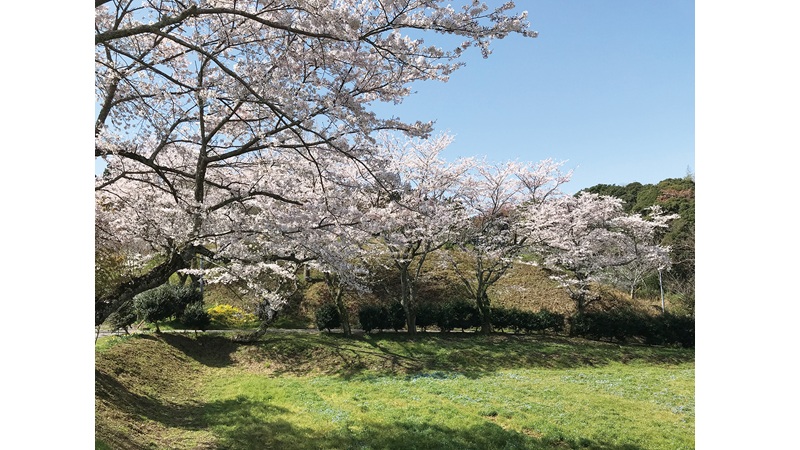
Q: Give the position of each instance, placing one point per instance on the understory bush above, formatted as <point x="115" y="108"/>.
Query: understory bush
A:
<point x="669" y="329"/>
<point x="327" y="317"/>
<point x="458" y="314"/>
<point x="123" y="318"/>
<point x="195" y="317"/>
<point x="519" y="321"/>
<point x="381" y="317"/>
<point x="618" y="325"/>
<point x="164" y="302"/>
<point x="622" y="325"/>
<point x="427" y="315"/>
<point x="371" y="318"/>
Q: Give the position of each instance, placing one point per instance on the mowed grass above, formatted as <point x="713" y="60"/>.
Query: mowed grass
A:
<point x="318" y="391"/>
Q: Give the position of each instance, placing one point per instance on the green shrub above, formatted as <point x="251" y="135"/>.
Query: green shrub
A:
<point x="427" y="315"/>
<point x="458" y="314"/>
<point x="371" y="318"/>
<point x="526" y="322"/>
<point x="228" y="316"/>
<point x="670" y="329"/>
<point x="158" y="304"/>
<point x="381" y="317"/>
<point x="195" y="317"/>
<point x="604" y="325"/>
<point x="505" y="319"/>
<point x="164" y="302"/>
<point x="680" y="330"/>
<point x="185" y="296"/>
<point x="582" y="325"/>
<point x="549" y="320"/>
<point x="123" y="318"/>
<point x="665" y="329"/>
<point x="519" y="321"/>
<point x="396" y="317"/>
<point x="327" y="317"/>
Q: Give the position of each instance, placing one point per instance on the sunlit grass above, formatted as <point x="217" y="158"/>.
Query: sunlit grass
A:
<point x="386" y="392"/>
<point x="609" y="407"/>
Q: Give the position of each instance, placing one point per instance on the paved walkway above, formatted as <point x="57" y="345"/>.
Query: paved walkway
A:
<point x="104" y="333"/>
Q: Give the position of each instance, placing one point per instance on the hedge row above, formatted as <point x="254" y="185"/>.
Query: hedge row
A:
<point x="448" y="316"/>
<point x="379" y="317"/>
<point x="622" y="325"/>
<point x="520" y="321"/>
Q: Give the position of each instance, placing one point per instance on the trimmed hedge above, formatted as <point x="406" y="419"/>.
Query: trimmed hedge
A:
<point x="617" y="325"/>
<point x="427" y="315"/>
<point x="622" y="325"/>
<point x="196" y="317"/>
<point x="327" y="317"/>
<point x="381" y="317"/>
<point x="458" y="314"/>
<point x="519" y="321"/>
<point x="164" y="302"/>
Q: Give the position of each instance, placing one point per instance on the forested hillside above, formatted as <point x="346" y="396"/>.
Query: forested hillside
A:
<point x="674" y="195"/>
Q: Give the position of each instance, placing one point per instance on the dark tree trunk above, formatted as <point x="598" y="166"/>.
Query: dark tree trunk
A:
<point x="344" y="315"/>
<point x="405" y="301"/>
<point x="485" y="310"/>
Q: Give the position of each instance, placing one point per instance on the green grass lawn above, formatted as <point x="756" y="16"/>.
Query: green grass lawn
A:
<point x="317" y="391"/>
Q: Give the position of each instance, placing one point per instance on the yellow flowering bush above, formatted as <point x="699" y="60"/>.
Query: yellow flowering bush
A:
<point x="229" y="316"/>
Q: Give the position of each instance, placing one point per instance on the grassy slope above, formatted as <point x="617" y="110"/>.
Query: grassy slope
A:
<point x="457" y="391"/>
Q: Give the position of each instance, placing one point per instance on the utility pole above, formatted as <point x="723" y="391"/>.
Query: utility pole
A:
<point x="202" y="283"/>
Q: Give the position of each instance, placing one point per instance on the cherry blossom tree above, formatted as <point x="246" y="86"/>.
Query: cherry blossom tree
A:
<point x="641" y="237"/>
<point x="582" y="237"/>
<point x="224" y="123"/>
<point x="422" y="214"/>
<point x="340" y="255"/>
<point x="494" y="231"/>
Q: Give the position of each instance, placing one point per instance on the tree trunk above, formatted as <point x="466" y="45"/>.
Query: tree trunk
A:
<point x="261" y="331"/>
<point x="484" y="308"/>
<point x="344" y="315"/>
<point x="411" y="323"/>
<point x="580" y="302"/>
<point x="405" y="301"/>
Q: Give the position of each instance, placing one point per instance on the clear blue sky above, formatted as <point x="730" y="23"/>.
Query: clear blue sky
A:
<point x="607" y="86"/>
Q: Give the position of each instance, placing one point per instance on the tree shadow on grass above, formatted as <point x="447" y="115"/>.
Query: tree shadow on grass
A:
<point x="243" y="424"/>
<point x="208" y="350"/>
<point x="136" y="407"/>
<point x="467" y="354"/>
